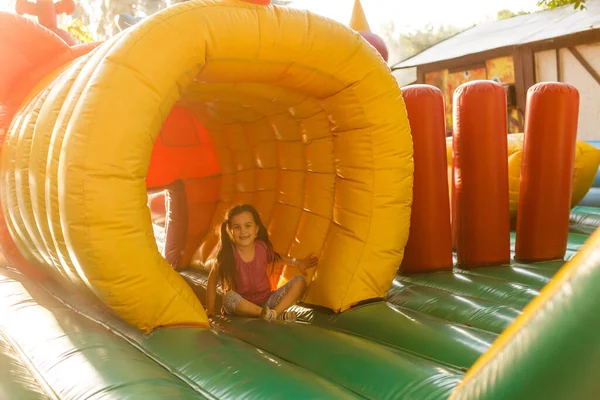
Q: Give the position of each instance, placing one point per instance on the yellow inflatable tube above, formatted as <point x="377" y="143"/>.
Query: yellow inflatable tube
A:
<point x="587" y="160"/>
<point x="317" y="110"/>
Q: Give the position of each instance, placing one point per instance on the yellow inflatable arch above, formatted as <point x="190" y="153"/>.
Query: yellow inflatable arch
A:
<point x="294" y="104"/>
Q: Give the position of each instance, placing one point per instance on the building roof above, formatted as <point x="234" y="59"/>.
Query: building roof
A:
<point x="519" y="30"/>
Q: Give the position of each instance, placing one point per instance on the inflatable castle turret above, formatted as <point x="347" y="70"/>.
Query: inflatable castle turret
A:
<point x="358" y="22"/>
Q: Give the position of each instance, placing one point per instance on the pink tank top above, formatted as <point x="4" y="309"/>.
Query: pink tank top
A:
<point x="251" y="279"/>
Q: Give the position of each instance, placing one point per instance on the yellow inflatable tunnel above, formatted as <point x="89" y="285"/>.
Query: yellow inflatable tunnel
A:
<point x="303" y="119"/>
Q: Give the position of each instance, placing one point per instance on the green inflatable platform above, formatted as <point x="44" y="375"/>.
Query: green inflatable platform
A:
<point x="422" y="342"/>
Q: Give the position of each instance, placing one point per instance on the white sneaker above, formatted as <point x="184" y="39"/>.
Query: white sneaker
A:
<point x="268" y="314"/>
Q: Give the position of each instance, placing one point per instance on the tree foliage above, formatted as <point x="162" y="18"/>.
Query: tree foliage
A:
<point x="405" y="44"/>
<point x="504" y="14"/>
<point x="79" y="31"/>
<point x="552" y="4"/>
<point x="99" y="16"/>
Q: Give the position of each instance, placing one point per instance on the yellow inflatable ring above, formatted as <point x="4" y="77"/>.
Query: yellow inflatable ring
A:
<point x="306" y="121"/>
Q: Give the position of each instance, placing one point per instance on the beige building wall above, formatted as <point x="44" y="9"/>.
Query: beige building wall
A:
<point x="572" y="72"/>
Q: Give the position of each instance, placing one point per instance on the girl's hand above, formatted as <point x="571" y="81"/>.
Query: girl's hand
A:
<point x="308" y="262"/>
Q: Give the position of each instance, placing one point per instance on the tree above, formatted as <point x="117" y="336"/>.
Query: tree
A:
<point x="552" y="4"/>
<point x="99" y="16"/>
<point x="504" y="14"/>
<point x="402" y="45"/>
<point x="9" y="5"/>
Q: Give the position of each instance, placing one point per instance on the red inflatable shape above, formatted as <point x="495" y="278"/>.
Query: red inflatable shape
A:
<point x="547" y="172"/>
<point x="429" y="246"/>
<point x="377" y="42"/>
<point x="480" y="206"/>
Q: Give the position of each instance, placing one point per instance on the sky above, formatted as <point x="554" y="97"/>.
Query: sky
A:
<point x="5" y="6"/>
<point x="409" y="15"/>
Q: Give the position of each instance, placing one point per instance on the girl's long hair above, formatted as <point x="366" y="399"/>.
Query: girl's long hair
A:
<point x="226" y="257"/>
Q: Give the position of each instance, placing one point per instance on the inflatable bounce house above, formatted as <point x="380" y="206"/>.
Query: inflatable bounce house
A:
<point x="458" y="270"/>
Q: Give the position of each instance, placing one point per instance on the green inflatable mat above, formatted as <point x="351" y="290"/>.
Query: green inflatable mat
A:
<point x="72" y="357"/>
<point x="213" y="363"/>
<point x="375" y="336"/>
<point x="225" y="368"/>
<point x="418" y="348"/>
<point x="554" y="352"/>
<point x="476" y="290"/>
<point x="425" y="336"/>
<point x="292" y="360"/>
<point x="465" y="310"/>
<point x="584" y="219"/>
<point x="367" y="368"/>
<point x="16" y="379"/>
<point x="286" y="360"/>
<point x="494" y="290"/>
<point x="534" y="278"/>
<point x="450" y="295"/>
<point x="410" y="331"/>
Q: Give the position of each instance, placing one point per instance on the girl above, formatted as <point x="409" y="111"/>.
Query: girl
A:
<point x="244" y="253"/>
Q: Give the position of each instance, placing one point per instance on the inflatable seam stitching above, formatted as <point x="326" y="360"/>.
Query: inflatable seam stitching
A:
<point x="133" y="342"/>
<point x="530" y="313"/>
<point x="364" y="244"/>
<point x="74" y="101"/>
<point x="37" y="375"/>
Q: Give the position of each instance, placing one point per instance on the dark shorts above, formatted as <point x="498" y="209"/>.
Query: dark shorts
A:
<point x="231" y="299"/>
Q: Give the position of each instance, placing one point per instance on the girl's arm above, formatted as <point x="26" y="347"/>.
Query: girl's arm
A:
<point x="288" y="260"/>
<point x="211" y="289"/>
<point x="302" y="264"/>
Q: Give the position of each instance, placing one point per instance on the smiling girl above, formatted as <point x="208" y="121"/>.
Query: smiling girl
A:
<point x="244" y="256"/>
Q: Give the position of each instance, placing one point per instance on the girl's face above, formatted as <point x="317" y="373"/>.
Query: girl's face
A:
<point x="243" y="229"/>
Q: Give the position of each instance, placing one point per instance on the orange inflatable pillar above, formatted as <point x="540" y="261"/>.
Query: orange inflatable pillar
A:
<point x="429" y="246"/>
<point x="547" y="172"/>
<point x="480" y="207"/>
